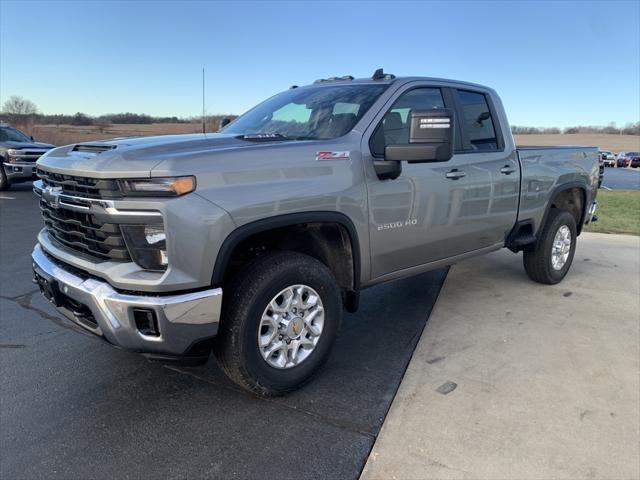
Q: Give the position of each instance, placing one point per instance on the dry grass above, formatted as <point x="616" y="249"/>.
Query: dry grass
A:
<point x="614" y="143"/>
<point x="67" y="134"/>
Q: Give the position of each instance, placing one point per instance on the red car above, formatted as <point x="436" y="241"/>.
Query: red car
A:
<point x="624" y="158"/>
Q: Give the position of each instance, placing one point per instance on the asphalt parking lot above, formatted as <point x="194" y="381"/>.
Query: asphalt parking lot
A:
<point x="621" y="178"/>
<point x="74" y="407"/>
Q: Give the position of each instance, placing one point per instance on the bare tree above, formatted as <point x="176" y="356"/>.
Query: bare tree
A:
<point x="19" y="106"/>
<point x="20" y="112"/>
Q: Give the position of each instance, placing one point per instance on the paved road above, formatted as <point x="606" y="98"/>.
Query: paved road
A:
<point x="621" y="178"/>
<point x="74" y="407"/>
<point x="545" y="376"/>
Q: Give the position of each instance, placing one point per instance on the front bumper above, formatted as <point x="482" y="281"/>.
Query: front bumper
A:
<point x="20" y="172"/>
<point x="185" y="322"/>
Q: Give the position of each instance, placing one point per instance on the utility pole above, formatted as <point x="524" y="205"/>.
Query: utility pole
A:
<point x="203" y="117"/>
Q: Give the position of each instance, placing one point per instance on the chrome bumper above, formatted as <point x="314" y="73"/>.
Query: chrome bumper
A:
<point x="183" y="321"/>
<point x="591" y="215"/>
<point x="20" y="171"/>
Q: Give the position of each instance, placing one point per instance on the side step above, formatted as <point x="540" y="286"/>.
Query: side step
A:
<point x="521" y="236"/>
<point x="523" y="240"/>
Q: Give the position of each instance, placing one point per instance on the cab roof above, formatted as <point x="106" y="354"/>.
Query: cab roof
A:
<point x="380" y="77"/>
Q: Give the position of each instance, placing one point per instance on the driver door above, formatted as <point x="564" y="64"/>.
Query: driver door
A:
<point x="416" y="218"/>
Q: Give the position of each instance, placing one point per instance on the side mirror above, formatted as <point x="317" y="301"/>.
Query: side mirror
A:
<point x="32" y="139"/>
<point x="225" y="122"/>
<point x="482" y="117"/>
<point x="430" y="138"/>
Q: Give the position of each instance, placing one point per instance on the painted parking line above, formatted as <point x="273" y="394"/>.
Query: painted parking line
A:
<point x="2" y="197"/>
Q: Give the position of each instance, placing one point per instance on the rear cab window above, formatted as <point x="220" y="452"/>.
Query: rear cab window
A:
<point x="477" y="121"/>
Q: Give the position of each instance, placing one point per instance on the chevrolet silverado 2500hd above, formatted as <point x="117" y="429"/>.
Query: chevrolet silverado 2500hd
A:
<point x="251" y="242"/>
<point x="18" y="155"/>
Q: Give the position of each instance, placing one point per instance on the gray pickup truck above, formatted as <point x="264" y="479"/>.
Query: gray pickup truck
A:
<point x="18" y="155"/>
<point x="252" y="241"/>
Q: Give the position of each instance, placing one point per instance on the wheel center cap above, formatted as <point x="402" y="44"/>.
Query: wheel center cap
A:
<point x="294" y="329"/>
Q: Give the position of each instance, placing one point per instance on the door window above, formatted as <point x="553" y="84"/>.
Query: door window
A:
<point x="394" y="127"/>
<point x="477" y="123"/>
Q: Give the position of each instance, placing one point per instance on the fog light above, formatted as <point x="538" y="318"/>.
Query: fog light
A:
<point x="154" y="235"/>
<point x="147" y="245"/>
<point x="146" y="322"/>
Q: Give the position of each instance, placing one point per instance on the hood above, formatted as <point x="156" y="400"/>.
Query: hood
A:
<point x="135" y="156"/>
<point x="25" y="145"/>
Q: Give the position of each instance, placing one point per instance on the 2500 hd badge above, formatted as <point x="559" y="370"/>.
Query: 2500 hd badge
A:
<point x="389" y="226"/>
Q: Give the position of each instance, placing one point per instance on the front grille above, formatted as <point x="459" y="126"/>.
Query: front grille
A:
<point x="84" y="233"/>
<point x="28" y="156"/>
<point x="81" y="186"/>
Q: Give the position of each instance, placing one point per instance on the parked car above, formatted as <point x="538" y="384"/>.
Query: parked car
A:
<point x="252" y="241"/>
<point x="620" y="160"/>
<point x="18" y="155"/>
<point x="634" y="161"/>
<point x="608" y="158"/>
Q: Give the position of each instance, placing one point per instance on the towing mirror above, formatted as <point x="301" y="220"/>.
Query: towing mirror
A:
<point x="430" y="138"/>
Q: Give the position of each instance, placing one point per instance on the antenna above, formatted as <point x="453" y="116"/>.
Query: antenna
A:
<point x="203" y="117"/>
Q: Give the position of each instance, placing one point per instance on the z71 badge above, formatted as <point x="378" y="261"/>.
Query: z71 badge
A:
<point x="344" y="155"/>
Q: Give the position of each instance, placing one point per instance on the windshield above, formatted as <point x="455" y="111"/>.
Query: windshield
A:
<point x="315" y="113"/>
<point x="12" y="135"/>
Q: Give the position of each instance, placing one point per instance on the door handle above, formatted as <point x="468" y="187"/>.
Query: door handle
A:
<point x="455" y="174"/>
<point x="507" y="170"/>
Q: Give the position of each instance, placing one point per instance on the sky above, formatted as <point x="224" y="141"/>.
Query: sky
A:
<point x="553" y="63"/>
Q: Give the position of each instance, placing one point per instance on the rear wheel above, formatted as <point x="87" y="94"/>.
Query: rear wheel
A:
<point x="556" y="246"/>
<point x="279" y="323"/>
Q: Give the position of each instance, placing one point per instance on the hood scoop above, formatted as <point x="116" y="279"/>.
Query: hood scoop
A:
<point x="95" y="148"/>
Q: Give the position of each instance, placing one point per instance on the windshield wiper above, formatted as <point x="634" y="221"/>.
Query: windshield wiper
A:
<point x="263" y="137"/>
<point x="269" y="137"/>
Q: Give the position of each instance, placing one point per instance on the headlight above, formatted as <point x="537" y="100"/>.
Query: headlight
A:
<point x="158" y="187"/>
<point x="12" y="154"/>
<point x="147" y="245"/>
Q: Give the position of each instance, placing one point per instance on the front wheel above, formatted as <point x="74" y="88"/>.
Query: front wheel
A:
<point x="556" y="246"/>
<point x="279" y="323"/>
<point x="4" y="182"/>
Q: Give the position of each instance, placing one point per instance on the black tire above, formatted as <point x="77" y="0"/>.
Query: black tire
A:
<point x="537" y="263"/>
<point x="4" y="182"/>
<point x="236" y="347"/>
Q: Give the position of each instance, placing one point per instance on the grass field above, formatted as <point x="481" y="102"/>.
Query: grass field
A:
<point x="614" y="143"/>
<point x="66" y="134"/>
<point x="618" y="212"/>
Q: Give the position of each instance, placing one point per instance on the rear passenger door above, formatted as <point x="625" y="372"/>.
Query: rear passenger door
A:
<point x="490" y="204"/>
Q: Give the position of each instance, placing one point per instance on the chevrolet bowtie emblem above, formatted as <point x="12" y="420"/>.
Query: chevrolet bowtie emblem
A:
<point x="297" y="328"/>
<point x="51" y="196"/>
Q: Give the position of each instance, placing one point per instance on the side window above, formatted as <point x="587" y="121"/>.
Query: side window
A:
<point x="477" y="124"/>
<point x="394" y="127"/>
